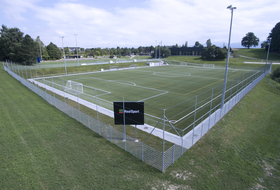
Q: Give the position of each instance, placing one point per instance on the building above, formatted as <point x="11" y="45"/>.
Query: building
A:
<point x="191" y="51"/>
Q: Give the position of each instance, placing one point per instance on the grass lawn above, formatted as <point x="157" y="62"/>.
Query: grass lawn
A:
<point x="258" y="53"/>
<point x="42" y="148"/>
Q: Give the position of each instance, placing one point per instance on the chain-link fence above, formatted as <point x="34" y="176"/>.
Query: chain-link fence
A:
<point x="83" y="62"/>
<point x="159" y="142"/>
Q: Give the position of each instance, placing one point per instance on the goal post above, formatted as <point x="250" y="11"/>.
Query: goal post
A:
<point x="73" y="87"/>
<point x="209" y="65"/>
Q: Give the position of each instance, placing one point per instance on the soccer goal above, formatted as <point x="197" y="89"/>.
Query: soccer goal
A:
<point x="114" y="68"/>
<point x="209" y="65"/>
<point x="183" y="63"/>
<point x="74" y="87"/>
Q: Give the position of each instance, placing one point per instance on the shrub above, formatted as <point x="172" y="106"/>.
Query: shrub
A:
<point x="276" y="74"/>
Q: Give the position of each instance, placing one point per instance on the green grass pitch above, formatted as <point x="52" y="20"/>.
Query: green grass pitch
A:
<point x="171" y="87"/>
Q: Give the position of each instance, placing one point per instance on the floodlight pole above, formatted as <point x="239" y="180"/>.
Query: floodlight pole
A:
<point x="64" y="55"/>
<point x="77" y="49"/>
<point x="228" y="52"/>
<point x="269" y="41"/>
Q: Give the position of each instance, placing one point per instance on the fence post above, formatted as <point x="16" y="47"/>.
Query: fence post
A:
<point x="142" y="153"/>
<point x="194" y="117"/>
<point x="97" y="112"/>
<point x="65" y="105"/>
<point x="53" y="93"/>
<point x="72" y="111"/>
<point x="230" y="95"/>
<point x="78" y="97"/>
<point x="237" y="90"/>
<point x="242" y="82"/>
<point x="135" y="134"/>
<point x="201" y="127"/>
<point x="182" y="144"/>
<point x="21" y="72"/>
<point x="30" y="73"/>
<point x="26" y="73"/>
<point x="124" y="137"/>
<point x="210" y="109"/>
<point x="45" y="87"/>
<point x="163" y="129"/>
<point x="111" y="134"/>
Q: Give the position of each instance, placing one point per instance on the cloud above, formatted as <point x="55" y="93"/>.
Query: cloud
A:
<point x="14" y="9"/>
<point x="172" y="21"/>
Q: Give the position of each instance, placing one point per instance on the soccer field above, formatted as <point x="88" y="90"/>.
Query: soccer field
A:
<point x="184" y="92"/>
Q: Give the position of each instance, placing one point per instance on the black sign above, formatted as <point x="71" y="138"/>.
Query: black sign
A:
<point x="133" y="112"/>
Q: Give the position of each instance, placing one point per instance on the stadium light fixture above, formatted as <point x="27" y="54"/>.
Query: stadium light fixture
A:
<point x="228" y="52"/>
<point x="64" y="55"/>
<point x="77" y="48"/>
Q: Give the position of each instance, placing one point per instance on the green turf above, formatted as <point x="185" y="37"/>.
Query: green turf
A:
<point x="42" y="148"/>
<point x="171" y="87"/>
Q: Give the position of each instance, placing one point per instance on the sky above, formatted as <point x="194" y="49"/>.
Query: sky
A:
<point x="134" y="23"/>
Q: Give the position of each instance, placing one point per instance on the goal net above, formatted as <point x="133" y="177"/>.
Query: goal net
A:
<point x="74" y="87"/>
<point x="183" y="63"/>
<point x="209" y="65"/>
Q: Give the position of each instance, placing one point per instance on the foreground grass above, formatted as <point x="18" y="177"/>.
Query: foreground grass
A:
<point x="42" y="148"/>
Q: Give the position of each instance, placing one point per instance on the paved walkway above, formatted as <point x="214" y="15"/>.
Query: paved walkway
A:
<point x="260" y="62"/>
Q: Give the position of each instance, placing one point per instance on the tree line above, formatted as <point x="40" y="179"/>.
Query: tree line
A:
<point x="20" y="48"/>
<point x="273" y="39"/>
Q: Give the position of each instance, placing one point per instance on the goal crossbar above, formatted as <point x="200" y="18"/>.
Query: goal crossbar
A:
<point x="73" y="87"/>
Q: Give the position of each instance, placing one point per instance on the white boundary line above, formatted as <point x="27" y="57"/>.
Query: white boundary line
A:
<point x="146" y="128"/>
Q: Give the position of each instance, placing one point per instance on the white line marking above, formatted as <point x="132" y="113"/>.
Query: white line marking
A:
<point x="171" y="74"/>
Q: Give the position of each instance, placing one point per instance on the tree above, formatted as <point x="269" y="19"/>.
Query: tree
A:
<point x="275" y="38"/>
<point x="44" y="51"/>
<point x="208" y="43"/>
<point x="197" y="44"/>
<point x="264" y="44"/>
<point x="45" y="54"/>
<point x="214" y="53"/>
<point x="250" y="40"/>
<point x="66" y="51"/>
<point x="276" y="74"/>
<point x="53" y="51"/>
<point x="28" y="50"/>
<point x="164" y="52"/>
<point x="10" y="43"/>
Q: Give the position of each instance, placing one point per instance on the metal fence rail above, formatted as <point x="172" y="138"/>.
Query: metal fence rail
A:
<point x="158" y="159"/>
